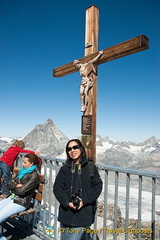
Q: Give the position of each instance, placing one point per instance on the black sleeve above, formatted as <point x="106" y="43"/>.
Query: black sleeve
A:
<point x="58" y="188"/>
<point x="96" y="187"/>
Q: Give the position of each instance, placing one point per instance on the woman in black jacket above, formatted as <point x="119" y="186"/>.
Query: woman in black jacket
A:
<point x="22" y="187"/>
<point x="76" y="192"/>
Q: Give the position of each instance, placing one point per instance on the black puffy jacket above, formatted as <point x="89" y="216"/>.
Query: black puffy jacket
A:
<point x="23" y="195"/>
<point x="91" y="189"/>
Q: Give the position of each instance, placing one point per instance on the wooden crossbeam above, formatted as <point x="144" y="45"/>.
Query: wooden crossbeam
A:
<point x="126" y="48"/>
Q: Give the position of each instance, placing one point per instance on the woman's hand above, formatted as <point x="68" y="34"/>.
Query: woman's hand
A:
<point x="19" y="185"/>
<point x="70" y="204"/>
<point x="37" y="153"/>
<point x="80" y="204"/>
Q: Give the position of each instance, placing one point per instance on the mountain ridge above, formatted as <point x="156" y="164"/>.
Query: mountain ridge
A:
<point x="50" y="141"/>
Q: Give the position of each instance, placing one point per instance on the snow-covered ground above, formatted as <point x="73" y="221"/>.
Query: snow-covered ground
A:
<point x="133" y="202"/>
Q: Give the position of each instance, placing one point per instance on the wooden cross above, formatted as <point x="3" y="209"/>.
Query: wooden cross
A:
<point x="126" y="48"/>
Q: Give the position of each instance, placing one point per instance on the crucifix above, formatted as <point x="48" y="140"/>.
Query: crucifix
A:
<point x="87" y="66"/>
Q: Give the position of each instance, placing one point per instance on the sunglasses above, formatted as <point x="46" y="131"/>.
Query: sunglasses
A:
<point x="74" y="148"/>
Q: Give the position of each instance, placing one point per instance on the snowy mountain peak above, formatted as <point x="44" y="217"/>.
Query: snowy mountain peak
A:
<point x="49" y="122"/>
<point x="152" y="140"/>
<point x="47" y="139"/>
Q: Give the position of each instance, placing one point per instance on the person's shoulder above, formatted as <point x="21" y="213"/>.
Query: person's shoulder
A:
<point x="12" y="147"/>
<point x="15" y="148"/>
<point x="64" y="168"/>
<point x="34" y="174"/>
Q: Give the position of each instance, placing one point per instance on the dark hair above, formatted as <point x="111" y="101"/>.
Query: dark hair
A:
<point x="83" y="155"/>
<point x="19" y="143"/>
<point x="33" y="158"/>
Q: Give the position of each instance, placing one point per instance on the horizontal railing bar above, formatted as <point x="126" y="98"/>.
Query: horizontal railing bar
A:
<point x="129" y="170"/>
<point x="107" y="167"/>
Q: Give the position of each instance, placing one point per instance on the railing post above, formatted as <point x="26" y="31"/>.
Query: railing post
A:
<point x="153" y="207"/>
<point x="50" y="191"/>
<point x="116" y="203"/>
<point x="127" y="202"/>
<point x="139" y="205"/>
<point x="56" y="208"/>
<point x="105" y="203"/>
<point x="44" y="196"/>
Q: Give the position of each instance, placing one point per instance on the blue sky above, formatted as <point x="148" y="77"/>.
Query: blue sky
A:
<point x="40" y="35"/>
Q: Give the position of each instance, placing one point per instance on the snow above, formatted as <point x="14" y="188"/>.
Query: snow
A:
<point x="133" y="206"/>
<point x="6" y="139"/>
<point x="104" y="147"/>
<point x="139" y="149"/>
<point x="133" y="202"/>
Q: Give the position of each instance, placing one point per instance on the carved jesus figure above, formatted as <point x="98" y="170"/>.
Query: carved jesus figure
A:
<point x="87" y="82"/>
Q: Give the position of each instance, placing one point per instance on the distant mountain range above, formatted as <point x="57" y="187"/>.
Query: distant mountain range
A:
<point x="145" y="155"/>
<point x="50" y="141"/>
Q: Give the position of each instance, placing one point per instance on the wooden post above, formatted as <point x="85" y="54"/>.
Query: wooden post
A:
<point x="91" y="46"/>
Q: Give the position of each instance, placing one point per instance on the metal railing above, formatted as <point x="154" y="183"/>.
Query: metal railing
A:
<point x="129" y="205"/>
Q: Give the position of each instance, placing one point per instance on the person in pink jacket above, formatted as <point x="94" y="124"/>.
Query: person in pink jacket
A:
<point x="6" y="163"/>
